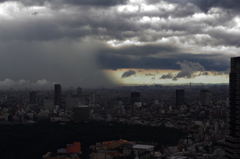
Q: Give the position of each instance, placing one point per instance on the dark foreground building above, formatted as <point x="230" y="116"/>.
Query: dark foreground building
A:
<point x="81" y="113"/>
<point x="232" y="141"/>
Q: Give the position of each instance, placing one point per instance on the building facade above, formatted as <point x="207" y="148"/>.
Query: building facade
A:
<point x="232" y="141"/>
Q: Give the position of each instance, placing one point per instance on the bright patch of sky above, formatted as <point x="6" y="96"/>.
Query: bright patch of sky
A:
<point x="153" y="77"/>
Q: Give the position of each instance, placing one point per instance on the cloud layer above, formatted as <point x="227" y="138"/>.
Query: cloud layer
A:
<point x="39" y="84"/>
<point x="70" y="42"/>
<point x="128" y="73"/>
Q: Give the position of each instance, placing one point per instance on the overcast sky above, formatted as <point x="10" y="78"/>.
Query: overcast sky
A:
<point x="106" y="42"/>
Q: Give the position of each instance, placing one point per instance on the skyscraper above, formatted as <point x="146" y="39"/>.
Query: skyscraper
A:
<point x="57" y="94"/>
<point x="179" y="97"/>
<point x="204" y="97"/>
<point x="135" y="97"/>
<point x="32" y="97"/>
<point x="232" y="141"/>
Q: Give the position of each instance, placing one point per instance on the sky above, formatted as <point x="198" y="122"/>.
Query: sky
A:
<point x="92" y="43"/>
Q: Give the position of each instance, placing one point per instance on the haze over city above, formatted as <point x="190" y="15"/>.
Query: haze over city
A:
<point x="116" y="42"/>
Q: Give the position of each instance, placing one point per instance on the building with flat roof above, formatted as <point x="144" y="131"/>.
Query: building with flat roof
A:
<point x="232" y="141"/>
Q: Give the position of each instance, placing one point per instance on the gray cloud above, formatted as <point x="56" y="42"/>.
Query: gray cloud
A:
<point x="157" y="58"/>
<point x="203" y="74"/>
<point x="35" y="13"/>
<point x="57" y="43"/>
<point x="128" y="73"/>
<point x="39" y="84"/>
<point x="153" y="79"/>
<point x="150" y="74"/>
<point x="167" y="76"/>
<point x="71" y="2"/>
<point x="204" y="5"/>
<point x="188" y="69"/>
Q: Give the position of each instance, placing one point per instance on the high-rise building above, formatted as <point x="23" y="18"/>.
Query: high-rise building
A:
<point x="204" y="97"/>
<point x="79" y="92"/>
<point x="232" y="141"/>
<point x="57" y="94"/>
<point x="135" y="97"/>
<point x="32" y="97"/>
<point x="179" y="97"/>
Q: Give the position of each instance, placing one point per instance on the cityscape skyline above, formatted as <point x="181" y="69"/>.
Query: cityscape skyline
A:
<point x="120" y="79"/>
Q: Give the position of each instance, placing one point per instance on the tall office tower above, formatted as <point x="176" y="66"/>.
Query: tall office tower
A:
<point x="232" y="141"/>
<point x="32" y="97"/>
<point x="79" y="92"/>
<point x="57" y="94"/>
<point x="135" y="97"/>
<point x="204" y="97"/>
<point x="179" y="97"/>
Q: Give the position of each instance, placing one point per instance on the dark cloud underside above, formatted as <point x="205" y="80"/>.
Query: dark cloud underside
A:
<point x="130" y="58"/>
<point x="71" y="2"/>
<point x="58" y="40"/>
<point x="204" y="5"/>
<point x="128" y="73"/>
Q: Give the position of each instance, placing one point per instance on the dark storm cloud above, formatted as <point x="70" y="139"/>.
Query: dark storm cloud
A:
<point x="109" y="24"/>
<point x="71" y="2"/>
<point x="128" y="73"/>
<point x="158" y="58"/>
<point x="43" y="36"/>
<point x="71" y="64"/>
<point x="204" y="5"/>
<point x="203" y="74"/>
